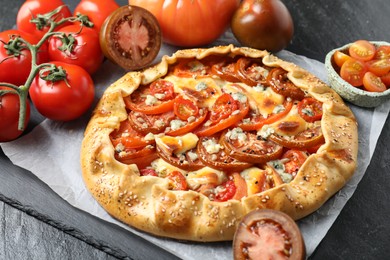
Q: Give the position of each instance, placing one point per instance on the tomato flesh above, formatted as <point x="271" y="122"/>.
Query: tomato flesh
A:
<point x="353" y="72"/>
<point x="362" y="50"/>
<point x="373" y="83"/>
<point x="310" y="109"/>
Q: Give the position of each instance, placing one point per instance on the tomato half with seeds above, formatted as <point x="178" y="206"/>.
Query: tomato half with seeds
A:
<point x="362" y="50"/>
<point x="295" y="159"/>
<point x="128" y="137"/>
<point x="177" y="181"/>
<point x="144" y="123"/>
<point x="142" y="100"/>
<point x="270" y="234"/>
<point x="306" y="139"/>
<point x="185" y="108"/>
<point x="310" y="109"/>
<point x="386" y="79"/>
<point x="226" y="192"/>
<point x="142" y="157"/>
<point x="280" y="83"/>
<point x="353" y="72"/>
<point x="340" y="57"/>
<point x="131" y="37"/>
<point x="373" y="83"/>
<point x="246" y="147"/>
<point x="251" y="72"/>
<point x="224" y="113"/>
<point x="256" y="121"/>
<point x="382" y="52"/>
<point x="212" y="154"/>
<point x="379" y="67"/>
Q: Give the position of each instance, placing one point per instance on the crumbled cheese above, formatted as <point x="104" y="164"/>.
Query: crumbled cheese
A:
<point x="201" y="86"/>
<point x="259" y="88"/>
<point x="278" y="109"/>
<point x="265" y="131"/>
<point x="176" y="124"/>
<point x="149" y="137"/>
<point x="211" y="146"/>
<point x="150" y="100"/>
<point x="308" y="111"/>
<point x="281" y="170"/>
<point x="160" y="96"/>
<point x="237" y="134"/>
<point x="192" y="156"/>
<point x="240" y="97"/>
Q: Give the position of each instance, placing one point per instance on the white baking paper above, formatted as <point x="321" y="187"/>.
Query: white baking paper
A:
<point x="51" y="152"/>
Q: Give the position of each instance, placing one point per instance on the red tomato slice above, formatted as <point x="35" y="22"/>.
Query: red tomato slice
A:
<point x="295" y="159"/>
<point x="185" y="108"/>
<point x="279" y="82"/>
<point x="241" y="187"/>
<point x="128" y="137"/>
<point x="373" y="83"/>
<point x="340" y="57"/>
<point x="187" y="68"/>
<point x="362" y="50"/>
<point x="379" y="67"/>
<point x="252" y="72"/>
<point x="225" y="112"/>
<point x="148" y="172"/>
<point x="144" y="123"/>
<point x="310" y="109"/>
<point x="142" y="100"/>
<point x="382" y="52"/>
<point x="163" y="88"/>
<point x="225" y="70"/>
<point x="177" y="181"/>
<point x="353" y="72"/>
<point x="227" y="191"/>
<point x="189" y="126"/>
<point x="142" y="157"/>
<point x="257" y="122"/>
<point x="183" y="161"/>
<point x="304" y="140"/>
<point x="386" y="79"/>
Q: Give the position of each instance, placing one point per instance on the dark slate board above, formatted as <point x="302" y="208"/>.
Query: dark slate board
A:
<point x="36" y="223"/>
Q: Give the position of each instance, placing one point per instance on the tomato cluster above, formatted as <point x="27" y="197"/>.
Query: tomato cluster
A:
<point x="50" y="58"/>
<point x="365" y="66"/>
<point x="221" y="118"/>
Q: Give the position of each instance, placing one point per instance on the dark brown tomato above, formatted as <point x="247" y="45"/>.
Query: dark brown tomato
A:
<point x="264" y="25"/>
<point x="270" y="234"/>
<point x="280" y="83"/>
<point x="213" y="154"/>
<point x="131" y="37"/>
<point x="246" y="147"/>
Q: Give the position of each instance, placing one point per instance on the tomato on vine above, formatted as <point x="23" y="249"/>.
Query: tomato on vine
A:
<point x="62" y="91"/>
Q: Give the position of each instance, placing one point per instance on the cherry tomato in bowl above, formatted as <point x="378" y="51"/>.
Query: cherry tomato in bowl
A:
<point x="270" y="234"/>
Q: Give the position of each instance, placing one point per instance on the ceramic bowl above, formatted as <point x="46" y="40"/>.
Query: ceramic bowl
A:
<point x="348" y="92"/>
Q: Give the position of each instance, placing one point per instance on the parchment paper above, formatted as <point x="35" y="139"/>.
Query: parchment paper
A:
<point x="51" y="152"/>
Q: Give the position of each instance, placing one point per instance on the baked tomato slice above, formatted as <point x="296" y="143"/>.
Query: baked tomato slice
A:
<point x="304" y="140"/>
<point x="234" y="188"/>
<point x="293" y="160"/>
<point x="246" y="147"/>
<point x="213" y="154"/>
<point x="156" y="98"/>
<point x="280" y="83"/>
<point x="310" y="109"/>
<point x="188" y="68"/>
<point x="226" y="70"/>
<point x="142" y="157"/>
<point x="127" y="138"/>
<point x="145" y="123"/>
<point x="225" y="112"/>
<point x="177" y="181"/>
<point x="251" y="71"/>
<point x="256" y="122"/>
<point x="187" y="161"/>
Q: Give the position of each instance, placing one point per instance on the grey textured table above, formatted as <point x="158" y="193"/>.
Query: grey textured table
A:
<point x="35" y="223"/>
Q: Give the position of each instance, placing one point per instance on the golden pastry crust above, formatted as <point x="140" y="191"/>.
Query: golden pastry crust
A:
<point x="147" y="204"/>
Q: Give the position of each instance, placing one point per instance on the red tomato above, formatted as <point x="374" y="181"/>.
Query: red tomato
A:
<point x="142" y="157"/>
<point x="148" y="172"/>
<point x="280" y="83"/>
<point x="79" y="46"/>
<point x="96" y="10"/>
<point x="227" y="192"/>
<point x="205" y="19"/>
<point x="353" y="71"/>
<point x="295" y="160"/>
<point x="241" y="187"/>
<point x="379" y="67"/>
<point x="30" y="9"/>
<point x="310" y="109"/>
<point x="373" y="83"/>
<point x="177" y="180"/>
<point x="63" y="100"/>
<point x="184" y="108"/>
<point x="340" y="57"/>
<point x="20" y="59"/>
<point x="362" y="50"/>
<point x="9" y="116"/>
<point x="128" y="137"/>
<point x="382" y="52"/>
<point x="386" y="79"/>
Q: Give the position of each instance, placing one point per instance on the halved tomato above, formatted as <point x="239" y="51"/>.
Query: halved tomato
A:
<point x="310" y="109"/>
<point x="373" y="83"/>
<point x="379" y="67"/>
<point x="251" y="71"/>
<point x="382" y="52"/>
<point x="362" y="50"/>
<point x="353" y="71"/>
<point x="386" y="79"/>
<point x="303" y="140"/>
<point x="340" y="57"/>
<point x="143" y="100"/>
<point x="226" y="192"/>
<point x="128" y="137"/>
<point x="256" y="122"/>
<point x="224" y="113"/>
<point x="280" y="83"/>
<point x="212" y="154"/>
<point x="185" y="108"/>
<point x="246" y="147"/>
<point x="294" y="161"/>
<point x="177" y="181"/>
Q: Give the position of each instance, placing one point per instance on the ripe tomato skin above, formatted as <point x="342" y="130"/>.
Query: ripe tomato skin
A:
<point x="35" y="7"/>
<point x="9" y="116"/>
<point x="340" y="57"/>
<point x="191" y="16"/>
<point x="62" y="102"/>
<point x="96" y="10"/>
<point x="85" y="51"/>
<point x="353" y="71"/>
<point x="373" y="83"/>
<point x="362" y="50"/>
<point x="379" y="67"/>
<point x="18" y="76"/>
<point x="382" y="52"/>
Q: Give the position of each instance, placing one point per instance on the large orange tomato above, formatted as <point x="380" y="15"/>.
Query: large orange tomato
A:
<point x="190" y="23"/>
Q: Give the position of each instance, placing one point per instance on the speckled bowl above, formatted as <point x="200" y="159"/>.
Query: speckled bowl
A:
<point x="348" y="92"/>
